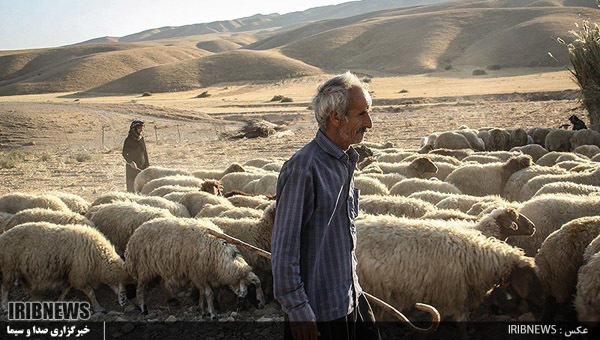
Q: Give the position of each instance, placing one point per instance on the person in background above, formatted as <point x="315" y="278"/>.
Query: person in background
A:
<point x="314" y="236"/>
<point x="135" y="153"/>
<point x="578" y="124"/>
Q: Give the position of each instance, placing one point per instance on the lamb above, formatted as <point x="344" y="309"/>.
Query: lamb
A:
<point x="536" y="151"/>
<point x="184" y="181"/>
<point x="559" y="259"/>
<point x="216" y="174"/>
<point x="458" y="154"/>
<point x="549" y="213"/>
<point x="117" y="221"/>
<point x="487" y="179"/>
<point x="411" y="185"/>
<point x="45" y="215"/>
<point x="512" y="189"/>
<point x="153" y="172"/>
<point x="201" y="259"/>
<point x="588" y="290"/>
<point x="370" y="186"/>
<point x="389" y="180"/>
<point x="470" y="264"/>
<point x="81" y="257"/>
<point x="195" y="201"/>
<point x="566" y="188"/>
<point x="535" y="184"/>
<point x="559" y="140"/>
<point x="395" y="205"/>
<point x="14" y="202"/>
<point x="76" y="203"/>
<point x="587" y="150"/>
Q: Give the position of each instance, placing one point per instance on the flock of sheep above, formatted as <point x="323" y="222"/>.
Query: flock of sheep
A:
<point x="469" y="212"/>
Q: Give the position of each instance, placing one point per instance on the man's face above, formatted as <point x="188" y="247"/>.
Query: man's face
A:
<point x="139" y="129"/>
<point x="353" y="127"/>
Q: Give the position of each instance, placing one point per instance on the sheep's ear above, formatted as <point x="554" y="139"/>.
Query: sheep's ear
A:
<point x="507" y="219"/>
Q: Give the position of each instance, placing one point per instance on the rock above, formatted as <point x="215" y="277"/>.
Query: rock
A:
<point x="265" y="319"/>
<point x="226" y="319"/>
<point x="113" y="313"/>
<point x="121" y="319"/>
<point x="171" y="319"/>
<point x="127" y="328"/>
<point x="116" y="334"/>
<point x="151" y="316"/>
<point x="130" y="308"/>
<point x="233" y="314"/>
<point x="527" y="317"/>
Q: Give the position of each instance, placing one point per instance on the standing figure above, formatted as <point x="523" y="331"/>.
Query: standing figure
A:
<point x="135" y="153"/>
<point x="314" y="237"/>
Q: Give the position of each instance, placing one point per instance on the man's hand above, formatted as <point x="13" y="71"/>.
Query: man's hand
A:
<point x="133" y="165"/>
<point x="305" y="330"/>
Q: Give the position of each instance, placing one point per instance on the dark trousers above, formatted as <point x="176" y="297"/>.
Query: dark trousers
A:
<point x="130" y="174"/>
<point x="358" y="325"/>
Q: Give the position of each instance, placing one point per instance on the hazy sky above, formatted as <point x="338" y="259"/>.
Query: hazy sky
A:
<point x="49" y="23"/>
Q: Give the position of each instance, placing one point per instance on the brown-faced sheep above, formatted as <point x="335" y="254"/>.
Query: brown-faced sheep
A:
<point x="45" y="215"/>
<point x="180" y="251"/>
<point x="50" y="257"/>
<point x="487" y="179"/>
<point x="14" y="202"/>
<point x="559" y="259"/>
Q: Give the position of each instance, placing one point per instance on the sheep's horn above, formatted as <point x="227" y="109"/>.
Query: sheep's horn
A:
<point x="387" y="307"/>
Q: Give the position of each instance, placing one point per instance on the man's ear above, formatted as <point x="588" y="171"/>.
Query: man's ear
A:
<point x="334" y="118"/>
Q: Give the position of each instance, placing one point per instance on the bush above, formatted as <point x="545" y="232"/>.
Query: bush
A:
<point x="448" y="67"/>
<point x="403" y="91"/>
<point x="366" y="80"/>
<point x="276" y="98"/>
<point x="203" y="95"/>
<point x="479" y="72"/>
<point x="82" y="157"/>
<point x="286" y="100"/>
<point x="494" y="67"/>
<point x="146" y="94"/>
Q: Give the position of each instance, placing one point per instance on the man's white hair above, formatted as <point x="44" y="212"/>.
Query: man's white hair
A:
<point x="334" y="95"/>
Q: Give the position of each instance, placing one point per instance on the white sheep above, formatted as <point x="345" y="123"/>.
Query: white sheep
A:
<point x="448" y="214"/>
<point x="394" y="205"/>
<point x="273" y="166"/>
<point x="184" y="181"/>
<point x="459" y="154"/>
<point x="217" y="210"/>
<point x="512" y="189"/>
<point x="394" y="157"/>
<point x="568" y="165"/>
<point x="550" y="212"/>
<point x="436" y="158"/>
<point x="536" y="183"/>
<point x="538" y="134"/>
<point x="430" y="196"/>
<point x="596" y="158"/>
<point x="559" y="140"/>
<point x="499" y="140"/>
<point x="257" y="162"/>
<point x="501" y="155"/>
<point x="463" y="203"/>
<point x="195" y="201"/>
<point x="536" y="151"/>
<point x="406" y="261"/>
<point x="487" y="179"/>
<point x="51" y="256"/>
<point x="116" y="196"/>
<point x="559" y="259"/>
<point x="267" y="185"/>
<point x="247" y="201"/>
<point x="421" y="167"/>
<point x="168" y="189"/>
<point x="218" y="174"/>
<point x="237" y="180"/>
<point x="389" y="180"/>
<point x="153" y="172"/>
<point x="566" y="188"/>
<point x="181" y="251"/>
<point x="584" y="137"/>
<point x="15" y="202"/>
<point x="411" y="185"/>
<point x="451" y="140"/>
<point x="75" y="203"/>
<point x="370" y="186"/>
<point x="518" y="137"/>
<point x="587" y="301"/>
<point x="45" y="215"/>
<point x="174" y="208"/>
<point x="481" y="159"/>
<point x="587" y="150"/>
<point x="444" y="169"/>
<point x="117" y="221"/>
<point x="4" y="216"/>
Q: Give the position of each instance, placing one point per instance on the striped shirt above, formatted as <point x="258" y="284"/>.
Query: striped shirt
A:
<point x="314" y="237"/>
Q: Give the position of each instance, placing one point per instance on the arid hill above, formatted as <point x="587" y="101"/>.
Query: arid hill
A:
<point x="234" y="66"/>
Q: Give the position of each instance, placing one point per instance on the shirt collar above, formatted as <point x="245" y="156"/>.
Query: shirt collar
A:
<point x="331" y="148"/>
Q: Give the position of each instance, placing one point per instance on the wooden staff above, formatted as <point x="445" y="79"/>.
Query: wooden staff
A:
<point x="435" y="315"/>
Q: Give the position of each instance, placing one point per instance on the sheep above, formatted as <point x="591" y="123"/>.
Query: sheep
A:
<point x="499" y="140"/>
<point x="184" y="181"/>
<point x="559" y="259"/>
<point x="568" y="165"/>
<point x="587" y="150"/>
<point x="115" y="196"/>
<point x="374" y="145"/>
<point x="518" y="137"/>
<point x="45" y="215"/>
<point x="216" y="174"/>
<point x="430" y="196"/>
<point x="458" y="154"/>
<point x="481" y="159"/>
<point x="451" y="140"/>
<point x="267" y="185"/>
<point x="571" y="157"/>
<point x="195" y="201"/>
<point x="463" y="203"/>
<point x="411" y="185"/>
<point x="448" y="214"/>
<point x="248" y="201"/>
<point x="501" y="155"/>
<point x="217" y="210"/>
<point x="276" y="166"/>
<point x="559" y="140"/>
<point x="257" y="162"/>
<point x="475" y="142"/>
<point x="536" y="151"/>
<point x="76" y="203"/>
<point x="535" y="184"/>
<point x="566" y="188"/>
<point x="487" y="179"/>
<point x="370" y="186"/>
<point x="175" y="208"/>
<point x="584" y="137"/>
<point x="435" y="158"/>
<point x="14" y="202"/>
<point x="596" y="158"/>
<point x="395" y="157"/>
<point x="117" y="221"/>
<point x="539" y="134"/>
<point x="515" y="183"/>
<point x="395" y="205"/>
<point x="153" y="172"/>
<point x="50" y="256"/>
<point x="421" y="167"/>
<point x="587" y="303"/>
<point x="167" y="189"/>
<point x="3" y="218"/>
<point x="549" y="213"/>
<point x="549" y="159"/>
<point x="237" y="180"/>
<point x="484" y="206"/>
<point x="592" y="248"/>
<point x="466" y="264"/>
<point x="199" y="258"/>
<point x="387" y="179"/>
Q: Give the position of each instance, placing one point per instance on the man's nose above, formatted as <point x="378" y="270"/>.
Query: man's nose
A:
<point x="369" y="123"/>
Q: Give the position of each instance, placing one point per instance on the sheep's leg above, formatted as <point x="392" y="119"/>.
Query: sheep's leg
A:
<point x="64" y="293"/>
<point x="139" y="293"/>
<point x="208" y="294"/>
<point x="89" y="291"/>
<point x="260" y="296"/>
<point x="5" y="290"/>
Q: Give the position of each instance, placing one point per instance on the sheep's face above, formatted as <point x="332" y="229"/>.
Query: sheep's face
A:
<point x="517" y="163"/>
<point x="424" y="165"/>
<point x="212" y="187"/>
<point x="526" y="283"/>
<point x="234" y="168"/>
<point x="241" y="290"/>
<point x="512" y="223"/>
<point x="269" y="214"/>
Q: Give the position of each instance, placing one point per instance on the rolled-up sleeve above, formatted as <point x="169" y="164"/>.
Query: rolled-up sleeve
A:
<point x="295" y="198"/>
